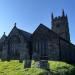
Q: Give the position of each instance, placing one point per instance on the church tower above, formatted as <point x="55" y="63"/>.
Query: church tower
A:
<point x="60" y="26"/>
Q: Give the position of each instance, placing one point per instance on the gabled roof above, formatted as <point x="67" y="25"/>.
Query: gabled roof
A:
<point x="43" y="27"/>
<point x="25" y="34"/>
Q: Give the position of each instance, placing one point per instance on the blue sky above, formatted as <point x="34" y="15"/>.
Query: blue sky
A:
<point x="28" y="14"/>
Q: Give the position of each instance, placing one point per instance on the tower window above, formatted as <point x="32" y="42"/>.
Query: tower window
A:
<point x="58" y="25"/>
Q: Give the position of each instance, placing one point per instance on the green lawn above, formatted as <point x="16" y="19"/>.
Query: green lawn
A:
<point x="16" y="68"/>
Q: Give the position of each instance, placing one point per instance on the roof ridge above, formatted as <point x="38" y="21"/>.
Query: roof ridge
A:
<point x="23" y="30"/>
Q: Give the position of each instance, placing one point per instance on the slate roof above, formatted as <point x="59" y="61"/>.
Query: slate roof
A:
<point x="25" y="34"/>
<point x="41" y="26"/>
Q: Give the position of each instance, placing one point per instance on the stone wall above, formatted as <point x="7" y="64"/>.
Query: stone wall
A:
<point x="4" y="52"/>
<point x="67" y="51"/>
<point x="53" y="49"/>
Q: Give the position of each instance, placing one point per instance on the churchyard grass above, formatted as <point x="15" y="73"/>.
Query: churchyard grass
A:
<point x="14" y="67"/>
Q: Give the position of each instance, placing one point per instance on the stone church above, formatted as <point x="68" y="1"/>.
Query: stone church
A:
<point x="43" y="44"/>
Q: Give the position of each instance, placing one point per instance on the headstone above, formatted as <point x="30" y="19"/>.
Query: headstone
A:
<point x="27" y="63"/>
<point x="42" y="64"/>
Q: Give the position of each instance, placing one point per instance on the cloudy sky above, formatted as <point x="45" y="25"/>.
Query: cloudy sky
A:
<point x="28" y="14"/>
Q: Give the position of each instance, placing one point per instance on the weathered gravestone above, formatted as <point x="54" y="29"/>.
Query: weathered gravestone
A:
<point x="27" y="63"/>
<point x="42" y="64"/>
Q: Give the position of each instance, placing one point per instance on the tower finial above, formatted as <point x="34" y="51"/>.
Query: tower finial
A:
<point x="63" y="14"/>
<point x="52" y="16"/>
<point x="4" y="33"/>
<point x="15" y="24"/>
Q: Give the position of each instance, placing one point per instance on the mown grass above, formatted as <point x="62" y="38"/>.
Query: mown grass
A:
<point x="14" y="67"/>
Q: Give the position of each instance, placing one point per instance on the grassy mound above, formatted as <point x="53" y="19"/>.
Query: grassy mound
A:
<point x="61" y="68"/>
<point x="16" y="68"/>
